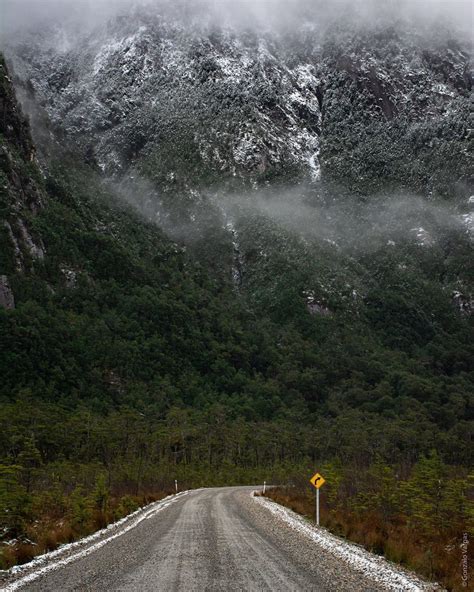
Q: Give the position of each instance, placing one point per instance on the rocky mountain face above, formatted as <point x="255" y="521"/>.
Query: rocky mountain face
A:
<point x="180" y="114"/>
<point x="21" y="196"/>
<point x="371" y="108"/>
<point x="352" y="121"/>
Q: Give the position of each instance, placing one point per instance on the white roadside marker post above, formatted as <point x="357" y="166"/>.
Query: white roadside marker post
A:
<point x="264" y="487"/>
<point x="176" y="485"/>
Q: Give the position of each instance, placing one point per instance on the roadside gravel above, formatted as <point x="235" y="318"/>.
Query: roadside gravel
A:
<point x="203" y="540"/>
<point x="21" y="576"/>
<point x="338" y="556"/>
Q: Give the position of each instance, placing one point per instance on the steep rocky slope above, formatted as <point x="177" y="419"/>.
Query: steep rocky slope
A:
<point x="294" y="287"/>
<point x="182" y="113"/>
<point x="21" y="196"/>
<point x="370" y="107"/>
<point x="77" y="252"/>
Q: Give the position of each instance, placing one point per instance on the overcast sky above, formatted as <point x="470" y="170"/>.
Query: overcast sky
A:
<point x="16" y="14"/>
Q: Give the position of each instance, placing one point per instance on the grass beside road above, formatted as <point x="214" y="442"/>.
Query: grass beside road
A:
<point x="436" y="556"/>
<point x="71" y="519"/>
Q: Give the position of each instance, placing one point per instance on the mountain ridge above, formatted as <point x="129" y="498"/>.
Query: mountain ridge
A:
<point x="259" y="99"/>
<point x="171" y="319"/>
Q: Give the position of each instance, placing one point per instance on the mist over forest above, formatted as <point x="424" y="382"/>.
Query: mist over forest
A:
<point x="236" y="245"/>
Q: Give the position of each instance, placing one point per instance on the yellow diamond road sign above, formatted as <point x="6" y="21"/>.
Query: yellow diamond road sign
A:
<point x="317" y="480"/>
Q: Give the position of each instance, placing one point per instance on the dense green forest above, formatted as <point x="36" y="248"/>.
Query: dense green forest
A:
<point x="126" y="362"/>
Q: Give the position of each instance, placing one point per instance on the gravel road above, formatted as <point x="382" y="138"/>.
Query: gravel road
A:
<point x="210" y="539"/>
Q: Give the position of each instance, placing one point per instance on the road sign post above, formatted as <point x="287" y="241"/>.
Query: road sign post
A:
<point x="264" y="487"/>
<point x="317" y="481"/>
<point x="176" y="485"/>
<point x="317" y="507"/>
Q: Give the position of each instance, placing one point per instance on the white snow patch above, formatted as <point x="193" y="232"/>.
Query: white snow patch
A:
<point x="297" y="97"/>
<point x="42" y="561"/>
<point x="423" y="237"/>
<point x="245" y="150"/>
<point x="468" y="221"/>
<point x="104" y="54"/>
<point x="233" y="70"/>
<point x="315" y="167"/>
<point x="305" y="77"/>
<point x="238" y="259"/>
<point x="444" y="90"/>
<point x="375" y="568"/>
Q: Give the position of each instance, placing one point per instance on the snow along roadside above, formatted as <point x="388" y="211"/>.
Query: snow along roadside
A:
<point x="386" y="574"/>
<point x="68" y="553"/>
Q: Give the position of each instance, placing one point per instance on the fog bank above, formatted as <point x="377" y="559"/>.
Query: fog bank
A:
<point x="28" y="14"/>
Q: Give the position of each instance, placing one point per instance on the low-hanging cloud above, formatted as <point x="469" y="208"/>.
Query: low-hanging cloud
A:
<point x="351" y="224"/>
<point x="27" y="14"/>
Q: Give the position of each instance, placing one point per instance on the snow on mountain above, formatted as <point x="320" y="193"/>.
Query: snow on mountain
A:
<point x="258" y="103"/>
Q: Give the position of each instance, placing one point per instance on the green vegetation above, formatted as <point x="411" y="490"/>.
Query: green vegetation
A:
<point x="415" y="516"/>
<point x="127" y="363"/>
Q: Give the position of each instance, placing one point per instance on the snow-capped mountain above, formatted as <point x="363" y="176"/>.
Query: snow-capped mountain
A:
<point x="179" y="113"/>
<point x="362" y="105"/>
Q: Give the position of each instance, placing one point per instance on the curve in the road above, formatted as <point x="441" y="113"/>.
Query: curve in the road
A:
<point x="204" y="540"/>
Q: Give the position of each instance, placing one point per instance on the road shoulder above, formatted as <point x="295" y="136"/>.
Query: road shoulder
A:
<point x="361" y="569"/>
